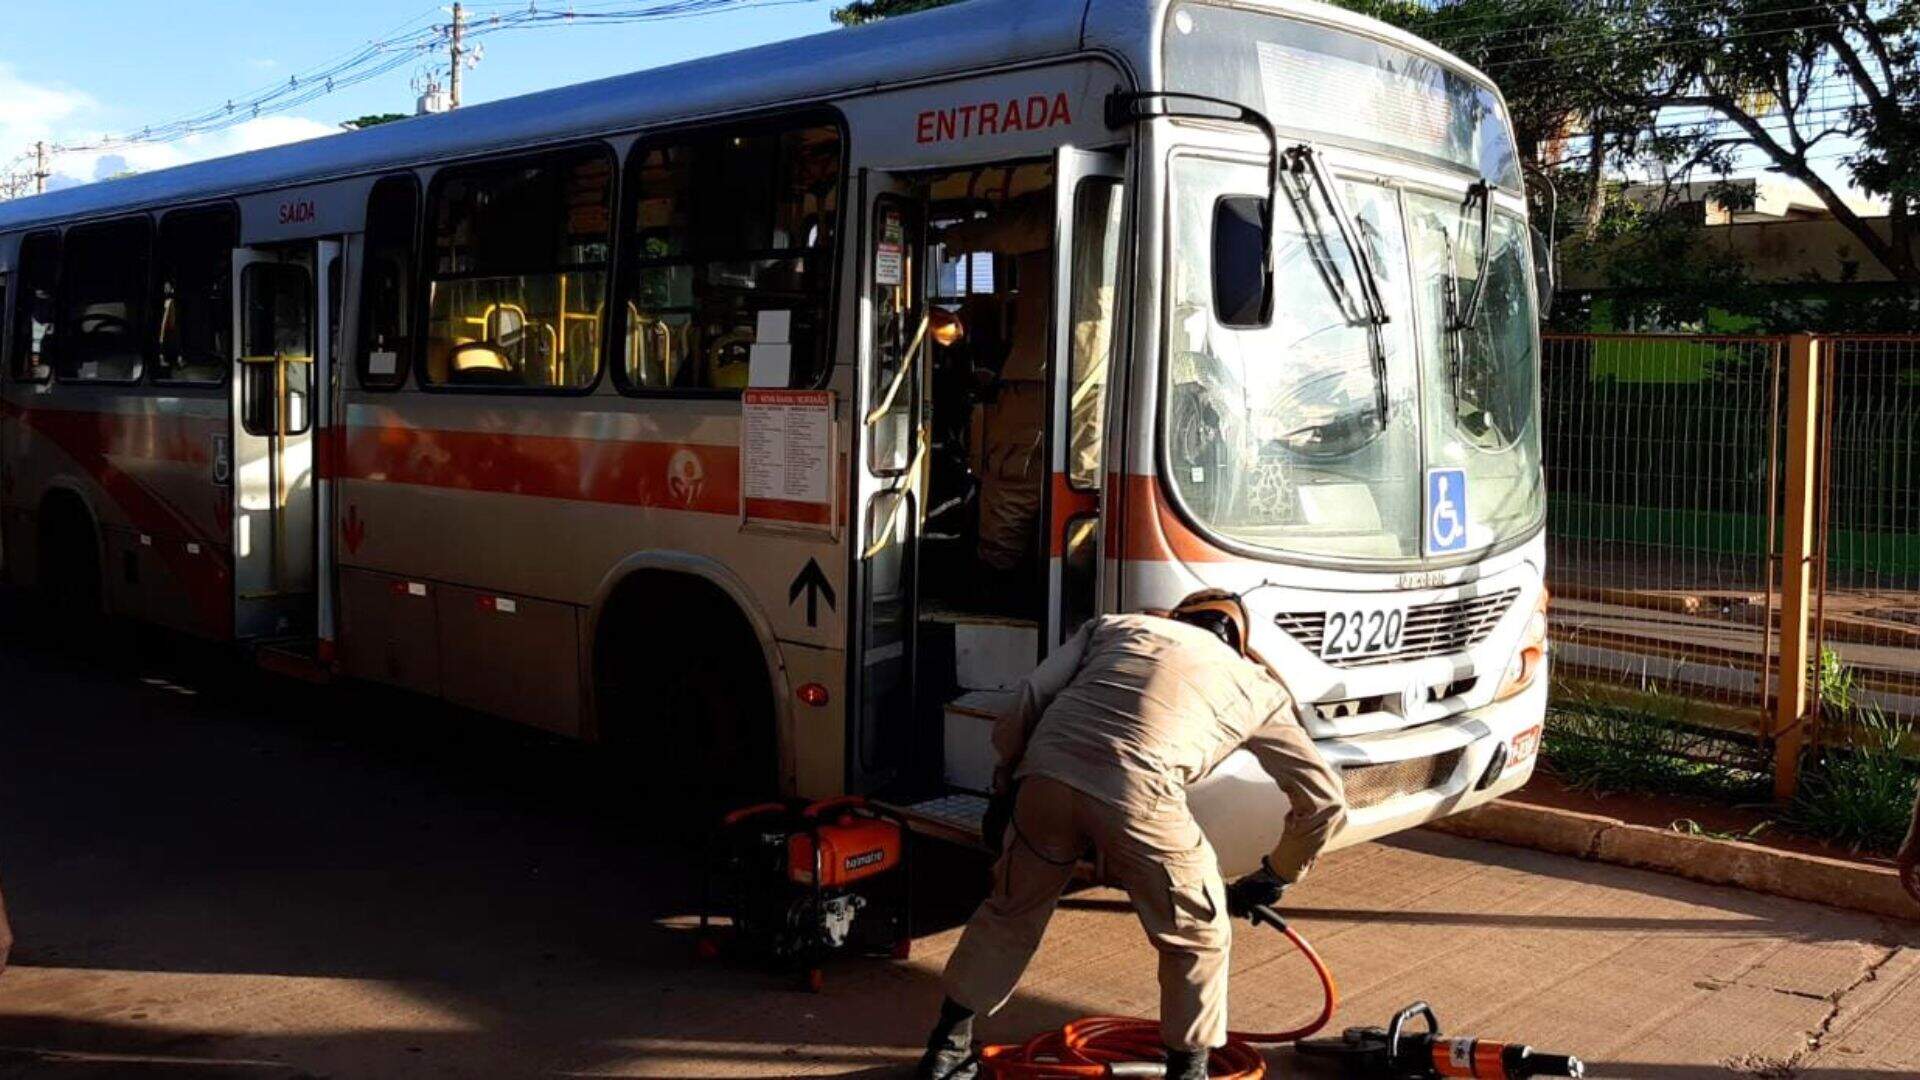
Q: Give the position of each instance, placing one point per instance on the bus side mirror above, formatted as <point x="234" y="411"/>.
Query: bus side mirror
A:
<point x="1546" y="275"/>
<point x="1242" y="280"/>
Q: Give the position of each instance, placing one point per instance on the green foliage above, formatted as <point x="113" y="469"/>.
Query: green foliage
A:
<point x="1788" y="81"/>
<point x="1654" y="259"/>
<point x="372" y="120"/>
<point x="866" y="11"/>
<point x="1836" y="685"/>
<point x="1859" y="796"/>
<point x="1694" y="828"/>
<point x="1607" y="748"/>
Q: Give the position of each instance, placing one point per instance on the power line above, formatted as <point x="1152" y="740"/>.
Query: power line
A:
<point x="406" y="45"/>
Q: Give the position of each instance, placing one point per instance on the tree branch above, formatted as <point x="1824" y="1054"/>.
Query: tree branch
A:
<point x="1863" y="18"/>
<point x="1898" y="260"/>
<point x="1850" y="59"/>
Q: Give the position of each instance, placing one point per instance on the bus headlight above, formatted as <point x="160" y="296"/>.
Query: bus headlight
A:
<point x="1530" y="657"/>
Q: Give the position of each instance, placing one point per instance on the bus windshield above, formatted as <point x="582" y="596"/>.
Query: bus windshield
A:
<point x="1308" y="432"/>
<point x="1480" y="364"/>
<point x="1300" y="434"/>
<point x="1335" y="86"/>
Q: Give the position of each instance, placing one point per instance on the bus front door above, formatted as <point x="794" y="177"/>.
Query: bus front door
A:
<point x="281" y="341"/>
<point x="1089" y="207"/>
<point x="889" y="481"/>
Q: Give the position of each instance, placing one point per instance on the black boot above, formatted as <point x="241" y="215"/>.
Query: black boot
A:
<point x="949" y="1053"/>
<point x="1187" y="1064"/>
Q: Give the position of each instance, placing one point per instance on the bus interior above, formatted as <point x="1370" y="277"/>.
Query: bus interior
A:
<point x="989" y="285"/>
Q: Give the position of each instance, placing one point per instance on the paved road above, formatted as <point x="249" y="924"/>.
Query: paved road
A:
<point x="220" y="874"/>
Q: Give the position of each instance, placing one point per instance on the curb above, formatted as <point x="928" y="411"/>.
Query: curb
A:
<point x="1594" y="838"/>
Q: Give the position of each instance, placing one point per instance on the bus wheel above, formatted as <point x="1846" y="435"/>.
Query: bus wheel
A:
<point x="684" y="699"/>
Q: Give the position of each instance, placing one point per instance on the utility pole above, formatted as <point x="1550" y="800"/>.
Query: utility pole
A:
<point x="454" y="39"/>
<point x="40" y="173"/>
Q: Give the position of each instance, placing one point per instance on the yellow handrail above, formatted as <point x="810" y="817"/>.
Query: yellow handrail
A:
<point x="908" y="362"/>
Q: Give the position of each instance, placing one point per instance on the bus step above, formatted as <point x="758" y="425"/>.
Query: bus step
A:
<point x="296" y="658"/>
<point x="967" y="737"/>
<point x="955" y="818"/>
<point x="990" y="652"/>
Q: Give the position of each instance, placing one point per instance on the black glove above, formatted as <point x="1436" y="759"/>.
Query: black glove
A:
<point x="1262" y="888"/>
<point x="993" y="826"/>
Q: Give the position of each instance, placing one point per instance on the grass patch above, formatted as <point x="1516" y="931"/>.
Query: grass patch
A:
<point x="1859" y="796"/>
<point x="1856" y="795"/>
<point x="1606" y="748"/>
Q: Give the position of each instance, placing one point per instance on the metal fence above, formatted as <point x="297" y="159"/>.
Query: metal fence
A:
<point x="1669" y="501"/>
<point x="1867" y="609"/>
<point x="1662" y="458"/>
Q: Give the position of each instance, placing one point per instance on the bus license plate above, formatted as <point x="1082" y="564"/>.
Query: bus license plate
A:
<point x="1355" y="632"/>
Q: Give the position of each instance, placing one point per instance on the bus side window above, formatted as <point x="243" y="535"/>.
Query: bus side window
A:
<point x="277" y="340"/>
<point x="517" y="293"/>
<point x="33" y="336"/>
<point x="193" y="306"/>
<point x="730" y="273"/>
<point x="386" y="290"/>
<point x="103" y="297"/>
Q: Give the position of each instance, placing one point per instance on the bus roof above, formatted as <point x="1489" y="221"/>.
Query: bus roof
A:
<point x="973" y="36"/>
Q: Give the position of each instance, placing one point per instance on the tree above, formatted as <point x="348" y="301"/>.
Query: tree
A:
<point x="1695" y="86"/>
<point x="1789" y="78"/>
<point x="360" y="123"/>
<point x="866" y="11"/>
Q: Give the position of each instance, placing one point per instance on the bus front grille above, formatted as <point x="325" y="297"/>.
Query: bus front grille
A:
<point x="1436" y="629"/>
<point x="1370" y="785"/>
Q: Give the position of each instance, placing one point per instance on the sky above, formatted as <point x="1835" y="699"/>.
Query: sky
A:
<point x="72" y="70"/>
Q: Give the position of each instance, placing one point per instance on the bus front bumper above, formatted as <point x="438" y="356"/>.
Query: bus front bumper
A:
<point x="1395" y="779"/>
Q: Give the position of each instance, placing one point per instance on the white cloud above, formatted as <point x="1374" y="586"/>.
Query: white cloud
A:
<point x="83" y="166"/>
<point x="30" y="112"/>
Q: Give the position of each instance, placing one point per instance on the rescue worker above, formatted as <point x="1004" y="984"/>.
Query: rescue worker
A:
<point x="1095" y="758"/>
<point x="1012" y="458"/>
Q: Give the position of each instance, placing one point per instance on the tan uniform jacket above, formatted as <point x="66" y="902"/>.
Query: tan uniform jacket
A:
<point x="1135" y="708"/>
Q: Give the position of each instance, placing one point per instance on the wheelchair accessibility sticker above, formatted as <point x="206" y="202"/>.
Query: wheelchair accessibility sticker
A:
<point x="1446" y="511"/>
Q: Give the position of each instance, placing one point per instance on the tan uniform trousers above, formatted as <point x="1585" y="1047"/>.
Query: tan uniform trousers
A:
<point x="1168" y="870"/>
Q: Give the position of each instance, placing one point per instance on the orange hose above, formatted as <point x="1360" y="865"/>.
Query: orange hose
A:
<point x="1090" y="1046"/>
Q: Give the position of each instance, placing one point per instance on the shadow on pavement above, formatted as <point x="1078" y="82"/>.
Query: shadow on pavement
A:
<point x="172" y="812"/>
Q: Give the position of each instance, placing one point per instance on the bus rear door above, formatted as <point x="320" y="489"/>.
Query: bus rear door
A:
<point x="282" y="332"/>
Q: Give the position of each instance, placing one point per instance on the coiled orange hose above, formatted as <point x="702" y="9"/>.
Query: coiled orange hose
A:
<point x="1098" y="1046"/>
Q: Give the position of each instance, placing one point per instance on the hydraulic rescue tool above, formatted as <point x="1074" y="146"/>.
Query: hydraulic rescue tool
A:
<point x="1120" y="1046"/>
<point x="1102" y="1046"/>
<point x="800" y="881"/>
<point x="1394" y="1053"/>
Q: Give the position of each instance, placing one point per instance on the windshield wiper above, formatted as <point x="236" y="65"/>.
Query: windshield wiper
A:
<point x="1371" y="308"/>
<point x="1464" y="318"/>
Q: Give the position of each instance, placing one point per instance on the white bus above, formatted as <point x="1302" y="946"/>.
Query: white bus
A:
<point x="772" y="414"/>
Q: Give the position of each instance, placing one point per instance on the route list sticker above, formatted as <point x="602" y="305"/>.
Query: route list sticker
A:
<point x="786" y="456"/>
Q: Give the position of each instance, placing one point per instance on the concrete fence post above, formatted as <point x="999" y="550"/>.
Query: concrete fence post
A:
<point x="1796" y="705"/>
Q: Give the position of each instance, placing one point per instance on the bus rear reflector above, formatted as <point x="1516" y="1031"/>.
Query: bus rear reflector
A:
<point x="813" y="694"/>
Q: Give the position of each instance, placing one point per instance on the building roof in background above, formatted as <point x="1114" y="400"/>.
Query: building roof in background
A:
<point x="1759" y="199"/>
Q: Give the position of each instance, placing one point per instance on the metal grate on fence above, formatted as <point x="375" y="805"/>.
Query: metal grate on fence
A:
<point x="1867" y="608"/>
<point x="1662" y="459"/>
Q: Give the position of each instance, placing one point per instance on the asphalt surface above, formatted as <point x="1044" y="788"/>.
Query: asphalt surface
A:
<point x="215" y="872"/>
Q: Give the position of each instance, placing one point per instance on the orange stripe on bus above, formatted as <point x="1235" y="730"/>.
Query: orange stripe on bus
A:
<point x="1151" y="531"/>
<point x="695" y="477"/>
<point x="95" y="439"/>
